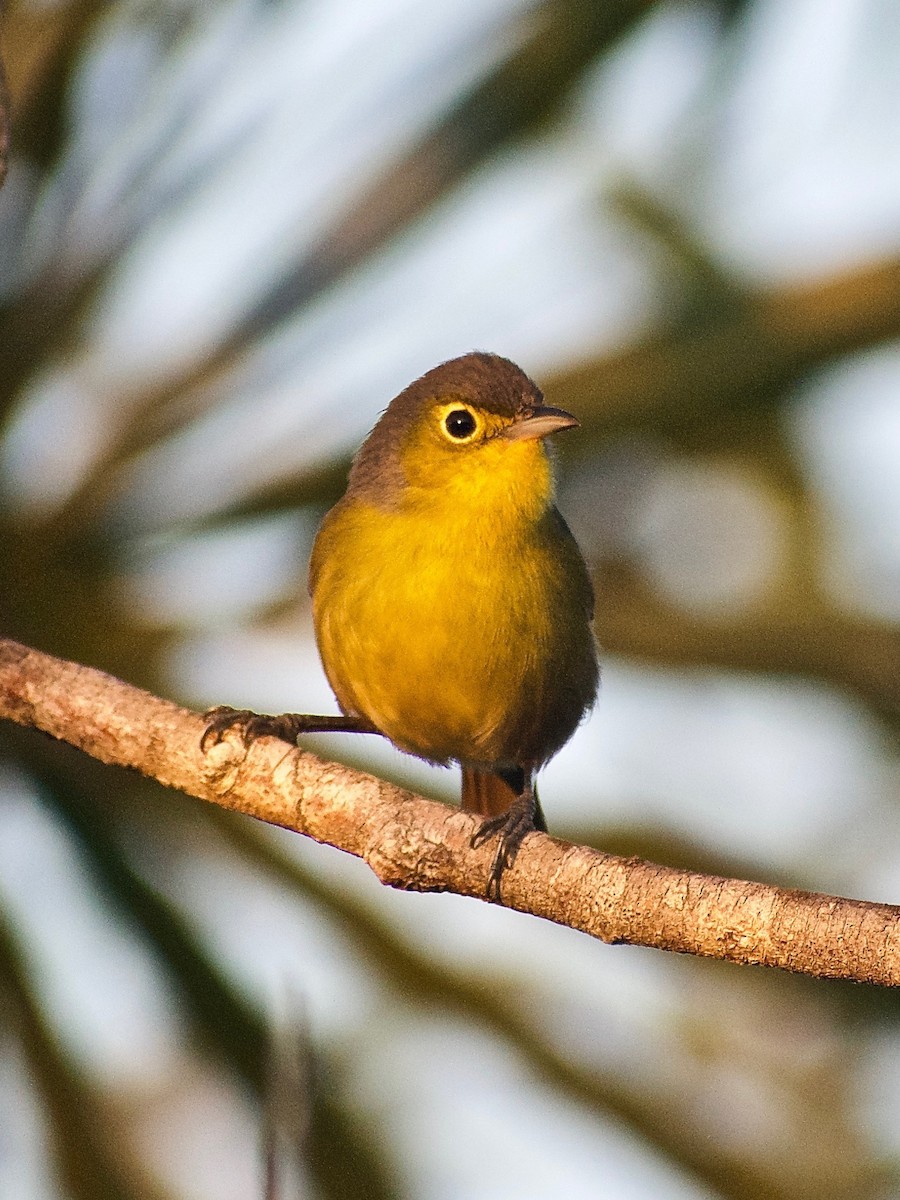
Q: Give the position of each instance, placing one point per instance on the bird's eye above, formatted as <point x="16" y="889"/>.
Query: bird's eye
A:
<point x="460" y="424"/>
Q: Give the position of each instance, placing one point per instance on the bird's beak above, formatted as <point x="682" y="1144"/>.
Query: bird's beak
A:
<point x="537" y="422"/>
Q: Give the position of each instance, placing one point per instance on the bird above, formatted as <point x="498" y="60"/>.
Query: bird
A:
<point x="451" y="604"/>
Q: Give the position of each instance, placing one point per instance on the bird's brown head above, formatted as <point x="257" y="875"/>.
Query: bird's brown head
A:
<point x="469" y="430"/>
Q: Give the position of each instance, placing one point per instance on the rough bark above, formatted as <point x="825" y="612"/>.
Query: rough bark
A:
<point x="418" y="844"/>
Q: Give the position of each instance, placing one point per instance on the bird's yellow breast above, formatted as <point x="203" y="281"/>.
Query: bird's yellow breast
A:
<point x="456" y="618"/>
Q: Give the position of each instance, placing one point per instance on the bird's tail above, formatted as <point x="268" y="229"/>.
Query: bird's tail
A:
<point x="491" y="793"/>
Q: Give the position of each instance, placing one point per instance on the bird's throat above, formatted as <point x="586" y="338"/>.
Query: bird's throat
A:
<point x="503" y="484"/>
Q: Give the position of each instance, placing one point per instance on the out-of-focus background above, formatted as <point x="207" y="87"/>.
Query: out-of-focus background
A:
<point x="230" y="233"/>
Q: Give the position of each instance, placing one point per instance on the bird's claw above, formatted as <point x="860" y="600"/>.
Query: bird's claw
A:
<point x="249" y="725"/>
<point x="512" y="826"/>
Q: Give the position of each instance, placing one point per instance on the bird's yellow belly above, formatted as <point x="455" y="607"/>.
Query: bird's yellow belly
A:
<point x="412" y="652"/>
<point x="422" y="640"/>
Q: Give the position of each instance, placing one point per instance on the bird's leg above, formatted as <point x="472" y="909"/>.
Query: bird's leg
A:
<point x="512" y="826"/>
<point x="287" y="726"/>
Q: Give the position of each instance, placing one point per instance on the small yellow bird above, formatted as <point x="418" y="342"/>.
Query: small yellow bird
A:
<point x="452" y="606"/>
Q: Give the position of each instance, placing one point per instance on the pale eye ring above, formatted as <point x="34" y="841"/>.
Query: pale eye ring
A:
<point x="460" y="424"/>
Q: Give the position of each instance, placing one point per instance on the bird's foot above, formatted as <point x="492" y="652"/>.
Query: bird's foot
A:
<point x="512" y="826"/>
<point x="286" y="726"/>
<point x="249" y="725"/>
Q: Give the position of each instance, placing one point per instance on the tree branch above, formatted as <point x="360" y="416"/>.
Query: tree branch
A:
<point x="418" y="844"/>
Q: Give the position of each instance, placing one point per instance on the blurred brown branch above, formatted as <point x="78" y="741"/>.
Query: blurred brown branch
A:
<point x="42" y="45"/>
<point x="417" y="844"/>
<point x="805" y="636"/>
<point x="747" y="356"/>
<point x="5" y="132"/>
